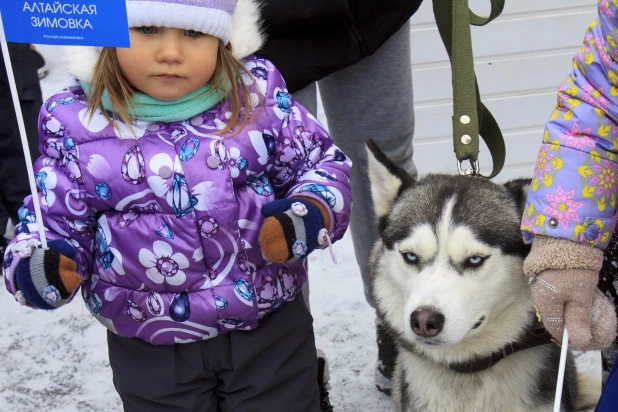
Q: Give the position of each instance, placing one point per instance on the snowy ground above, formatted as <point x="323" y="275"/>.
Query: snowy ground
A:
<point x="57" y="362"/>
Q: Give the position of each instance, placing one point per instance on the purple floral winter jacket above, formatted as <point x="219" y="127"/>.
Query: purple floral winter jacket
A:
<point x="575" y="184"/>
<point x="165" y="217"/>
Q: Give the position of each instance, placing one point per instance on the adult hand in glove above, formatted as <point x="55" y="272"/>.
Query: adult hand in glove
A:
<point x="47" y="278"/>
<point x="564" y="277"/>
<point x="293" y="228"/>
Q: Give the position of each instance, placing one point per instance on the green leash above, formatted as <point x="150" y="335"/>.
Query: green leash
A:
<point x="470" y="116"/>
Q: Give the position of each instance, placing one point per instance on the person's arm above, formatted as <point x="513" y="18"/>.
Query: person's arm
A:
<point x="570" y="212"/>
<point x="48" y="279"/>
<point x="307" y="165"/>
<point x="575" y="186"/>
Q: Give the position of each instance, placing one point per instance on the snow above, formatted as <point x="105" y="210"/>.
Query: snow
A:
<point x="57" y="361"/>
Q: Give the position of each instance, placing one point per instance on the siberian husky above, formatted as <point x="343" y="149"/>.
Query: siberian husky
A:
<point x="448" y="283"/>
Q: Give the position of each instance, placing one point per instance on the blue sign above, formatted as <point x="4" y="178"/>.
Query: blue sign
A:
<point x="66" y="22"/>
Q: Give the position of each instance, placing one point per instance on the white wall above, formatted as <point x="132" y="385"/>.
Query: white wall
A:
<point x="520" y="60"/>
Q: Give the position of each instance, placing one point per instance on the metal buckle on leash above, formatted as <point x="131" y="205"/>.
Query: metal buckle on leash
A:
<point x="475" y="171"/>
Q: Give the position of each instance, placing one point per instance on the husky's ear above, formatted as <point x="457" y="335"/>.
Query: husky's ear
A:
<point x="518" y="188"/>
<point x="386" y="178"/>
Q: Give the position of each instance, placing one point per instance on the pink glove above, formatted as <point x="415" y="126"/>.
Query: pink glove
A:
<point x="564" y="276"/>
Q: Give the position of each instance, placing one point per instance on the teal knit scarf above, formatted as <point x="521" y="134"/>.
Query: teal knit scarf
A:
<point x="147" y="108"/>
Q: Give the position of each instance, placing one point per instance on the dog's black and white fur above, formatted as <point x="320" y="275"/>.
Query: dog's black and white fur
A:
<point x="448" y="283"/>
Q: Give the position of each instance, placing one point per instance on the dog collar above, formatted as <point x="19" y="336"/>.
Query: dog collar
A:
<point x="536" y="335"/>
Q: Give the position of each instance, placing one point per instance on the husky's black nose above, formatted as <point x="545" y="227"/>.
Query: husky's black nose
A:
<point x="426" y="322"/>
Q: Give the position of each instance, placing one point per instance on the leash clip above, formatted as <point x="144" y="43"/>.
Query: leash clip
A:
<point x="475" y="171"/>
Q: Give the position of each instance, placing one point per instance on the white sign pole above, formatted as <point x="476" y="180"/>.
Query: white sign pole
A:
<point x="22" y="132"/>
<point x="563" y="358"/>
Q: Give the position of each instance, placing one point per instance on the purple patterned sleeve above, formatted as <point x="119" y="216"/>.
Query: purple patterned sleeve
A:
<point x="575" y="185"/>
<point x="307" y="162"/>
<point x="64" y="211"/>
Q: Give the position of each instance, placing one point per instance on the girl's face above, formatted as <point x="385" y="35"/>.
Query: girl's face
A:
<point x="167" y="63"/>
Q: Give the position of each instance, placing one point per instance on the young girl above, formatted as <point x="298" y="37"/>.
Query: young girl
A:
<point x="182" y="189"/>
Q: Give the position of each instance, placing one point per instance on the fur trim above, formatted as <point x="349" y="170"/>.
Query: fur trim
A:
<point x="555" y="253"/>
<point x="247" y="38"/>
<point x="247" y="35"/>
<point x="81" y="61"/>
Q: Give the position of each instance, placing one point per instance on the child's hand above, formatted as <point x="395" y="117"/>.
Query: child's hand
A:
<point x="565" y="276"/>
<point x="292" y="228"/>
<point x="571" y="297"/>
<point x="47" y="278"/>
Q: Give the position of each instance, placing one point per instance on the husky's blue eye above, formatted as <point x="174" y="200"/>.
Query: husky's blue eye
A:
<point x="475" y="261"/>
<point x="410" y="257"/>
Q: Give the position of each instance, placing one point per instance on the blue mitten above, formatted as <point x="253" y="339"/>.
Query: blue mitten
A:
<point x="47" y="278"/>
<point x="291" y="229"/>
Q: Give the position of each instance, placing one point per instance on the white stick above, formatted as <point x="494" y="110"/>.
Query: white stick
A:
<point x="563" y="358"/>
<point x="22" y="132"/>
